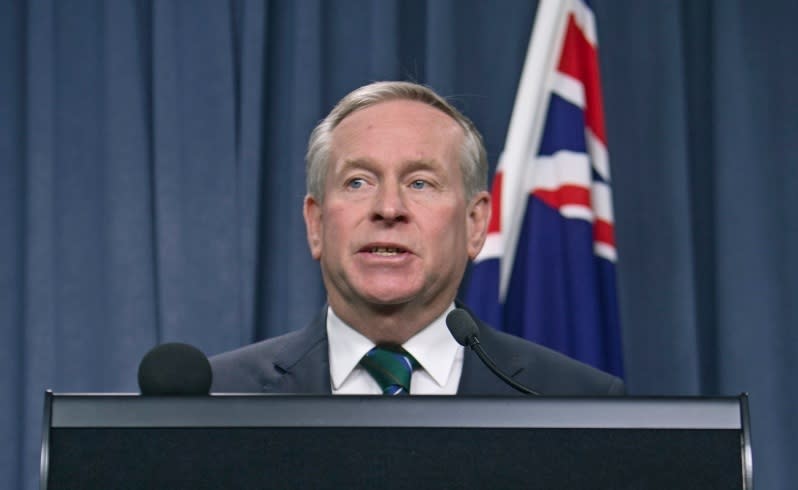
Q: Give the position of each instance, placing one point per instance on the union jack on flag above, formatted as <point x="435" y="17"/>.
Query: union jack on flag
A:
<point x="547" y="271"/>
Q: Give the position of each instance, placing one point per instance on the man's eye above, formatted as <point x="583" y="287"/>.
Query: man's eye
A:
<point x="418" y="184"/>
<point x="356" y="183"/>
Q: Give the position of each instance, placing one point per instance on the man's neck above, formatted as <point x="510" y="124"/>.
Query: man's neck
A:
<point x="388" y="324"/>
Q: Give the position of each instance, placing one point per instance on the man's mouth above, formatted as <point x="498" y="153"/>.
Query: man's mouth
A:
<point x="385" y="251"/>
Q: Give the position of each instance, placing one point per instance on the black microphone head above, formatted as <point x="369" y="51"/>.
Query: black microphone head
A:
<point x="175" y="369"/>
<point x="461" y="326"/>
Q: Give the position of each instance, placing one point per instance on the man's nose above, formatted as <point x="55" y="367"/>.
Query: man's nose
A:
<point x="389" y="204"/>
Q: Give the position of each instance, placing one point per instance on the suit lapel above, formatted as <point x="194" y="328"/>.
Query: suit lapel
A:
<point x="304" y="361"/>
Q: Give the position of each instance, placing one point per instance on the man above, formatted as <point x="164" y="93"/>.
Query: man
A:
<point x="396" y="206"/>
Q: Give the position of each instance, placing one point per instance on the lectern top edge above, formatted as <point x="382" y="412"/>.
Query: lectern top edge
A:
<point x="130" y="410"/>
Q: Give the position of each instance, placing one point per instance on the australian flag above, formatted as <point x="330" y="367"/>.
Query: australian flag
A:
<point x="547" y="271"/>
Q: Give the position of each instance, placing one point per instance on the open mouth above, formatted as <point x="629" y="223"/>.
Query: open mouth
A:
<point x="385" y="251"/>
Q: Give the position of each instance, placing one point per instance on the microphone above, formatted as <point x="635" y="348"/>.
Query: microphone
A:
<point x="175" y="369"/>
<point x="466" y="333"/>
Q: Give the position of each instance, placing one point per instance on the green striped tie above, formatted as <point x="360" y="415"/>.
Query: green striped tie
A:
<point x="392" y="368"/>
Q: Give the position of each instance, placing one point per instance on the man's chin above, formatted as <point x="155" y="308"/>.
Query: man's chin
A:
<point x="388" y="302"/>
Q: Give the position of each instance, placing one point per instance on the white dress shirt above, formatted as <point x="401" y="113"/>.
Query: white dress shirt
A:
<point x="440" y="357"/>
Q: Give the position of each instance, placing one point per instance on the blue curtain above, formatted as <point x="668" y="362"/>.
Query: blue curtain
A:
<point x="703" y="123"/>
<point x="151" y="177"/>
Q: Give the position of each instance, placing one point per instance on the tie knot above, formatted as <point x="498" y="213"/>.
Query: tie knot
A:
<point x="392" y="368"/>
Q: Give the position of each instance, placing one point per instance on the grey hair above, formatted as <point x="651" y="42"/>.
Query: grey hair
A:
<point x="473" y="162"/>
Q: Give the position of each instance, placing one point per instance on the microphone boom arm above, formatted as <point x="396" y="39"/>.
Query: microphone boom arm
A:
<point x="473" y="343"/>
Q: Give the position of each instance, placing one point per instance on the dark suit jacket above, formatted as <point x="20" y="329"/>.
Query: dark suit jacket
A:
<point x="297" y="362"/>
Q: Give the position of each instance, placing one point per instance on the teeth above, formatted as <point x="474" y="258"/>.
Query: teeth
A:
<point x="385" y="250"/>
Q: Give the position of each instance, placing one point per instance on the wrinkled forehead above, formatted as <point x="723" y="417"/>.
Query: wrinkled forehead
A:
<point x="397" y="137"/>
<point x="404" y="126"/>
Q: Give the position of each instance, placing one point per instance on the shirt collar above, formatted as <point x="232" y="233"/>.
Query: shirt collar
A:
<point x="433" y="347"/>
<point x="347" y="347"/>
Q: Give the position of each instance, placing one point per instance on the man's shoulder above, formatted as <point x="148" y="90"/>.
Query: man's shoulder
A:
<point x="248" y="369"/>
<point x="552" y="372"/>
<point x="254" y="367"/>
<point x="256" y="352"/>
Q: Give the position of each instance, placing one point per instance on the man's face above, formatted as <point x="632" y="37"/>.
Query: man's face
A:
<point x="394" y="229"/>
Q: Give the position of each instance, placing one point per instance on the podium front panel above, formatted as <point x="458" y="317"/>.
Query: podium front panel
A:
<point x="278" y="441"/>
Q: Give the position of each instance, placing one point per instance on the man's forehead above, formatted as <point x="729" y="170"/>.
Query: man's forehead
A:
<point x="407" y="134"/>
<point x="421" y="127"/>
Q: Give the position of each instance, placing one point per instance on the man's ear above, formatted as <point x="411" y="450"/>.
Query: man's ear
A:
<point x="311" y="210"/>
<point x="477" y="219"/>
